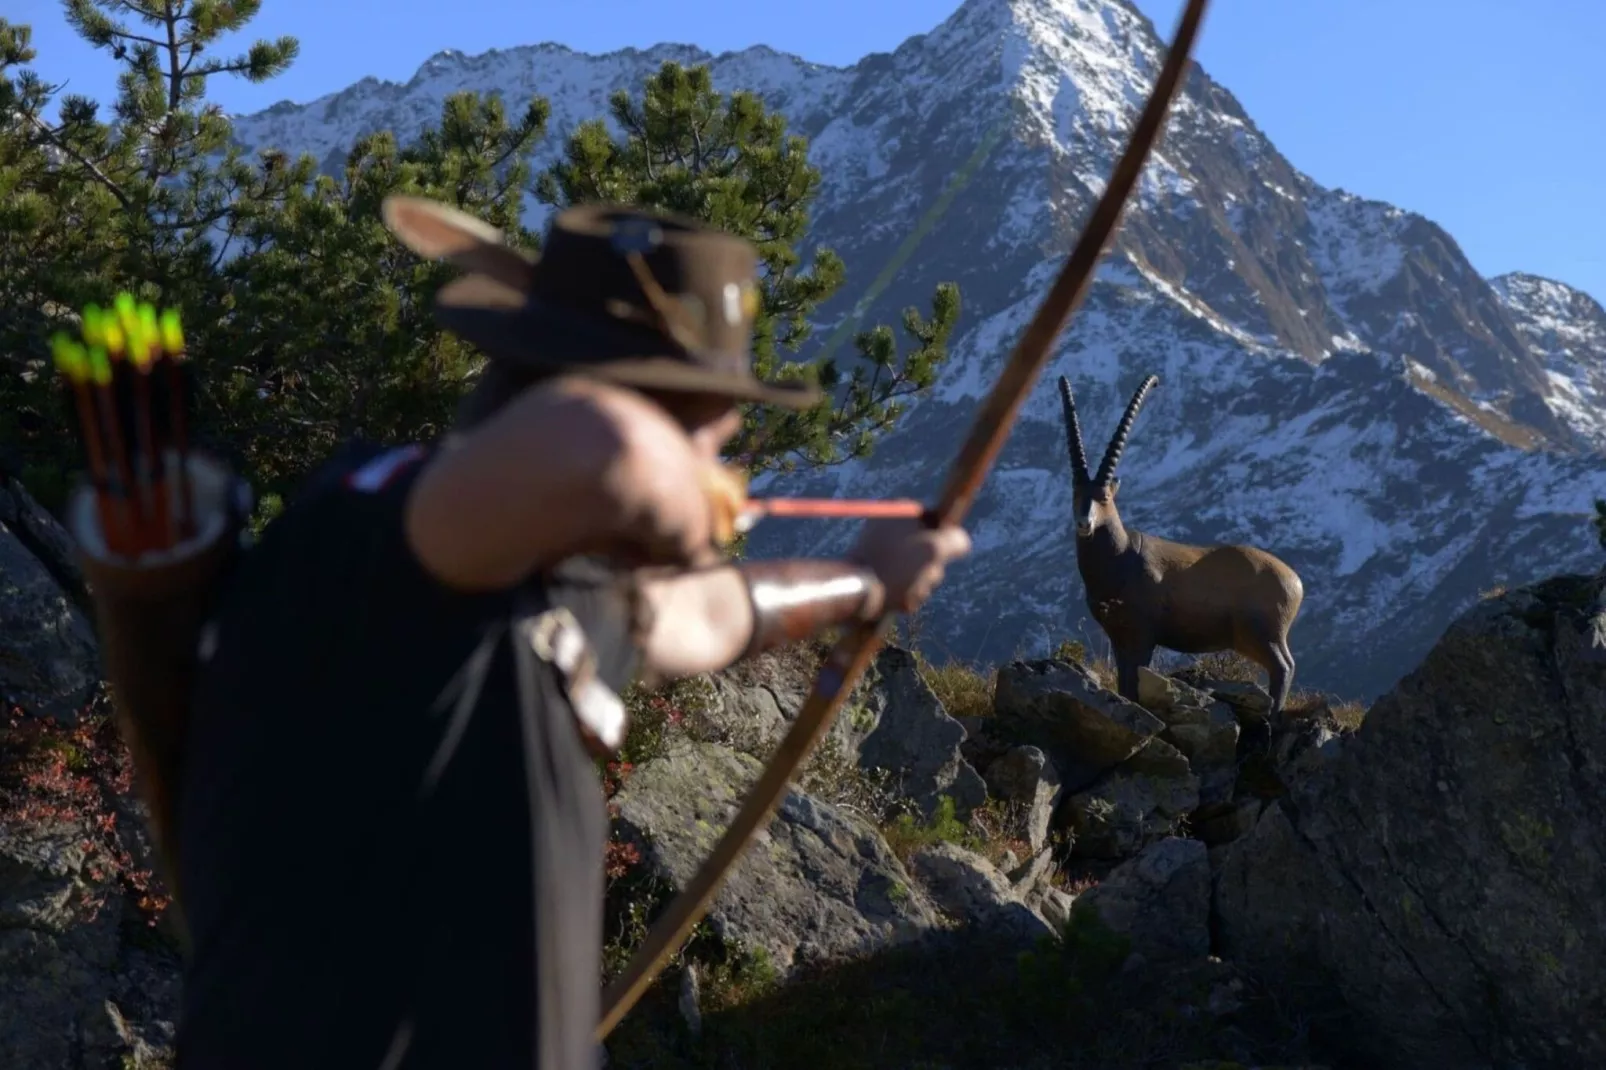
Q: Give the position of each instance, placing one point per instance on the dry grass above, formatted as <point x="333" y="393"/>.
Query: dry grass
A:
<point x="998" y="833"/>
<point x="1229" y="665"/>
<point x="796" y="660"/>
<point x="1350" y="714"/>
<point x="1102" y="668"/>
<point x="962" y="690"/>
<point x="833" y="777"/>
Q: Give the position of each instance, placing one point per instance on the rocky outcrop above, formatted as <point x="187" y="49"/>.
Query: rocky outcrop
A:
<point x="816" y="885"/>
<point x="914" y="737"/>
<point x="892" y="725"/>
<point x="84" y="982"/>
<point x="970" y="888"/>
<point x="1441" y="875"/>
<point x="1061" y="707"/>
<point x="1025" y="777"/>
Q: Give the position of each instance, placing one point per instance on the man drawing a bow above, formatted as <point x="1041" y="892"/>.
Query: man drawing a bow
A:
<point x="391" y="827"/>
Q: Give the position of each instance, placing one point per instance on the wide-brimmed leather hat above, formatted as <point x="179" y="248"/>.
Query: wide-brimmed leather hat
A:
<point x="640" y="298"/>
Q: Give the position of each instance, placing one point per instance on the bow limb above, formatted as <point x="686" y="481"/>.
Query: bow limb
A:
<point x="852" y="655"/>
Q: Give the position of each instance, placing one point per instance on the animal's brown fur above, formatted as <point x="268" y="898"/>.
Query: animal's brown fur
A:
<point x="1147" y="592"/>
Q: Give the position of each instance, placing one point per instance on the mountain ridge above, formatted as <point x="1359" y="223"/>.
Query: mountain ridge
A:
<point x="1339" y="384"/>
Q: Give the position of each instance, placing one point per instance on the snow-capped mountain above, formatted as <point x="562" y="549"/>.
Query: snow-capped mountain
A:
<point x="1339" y="385"/>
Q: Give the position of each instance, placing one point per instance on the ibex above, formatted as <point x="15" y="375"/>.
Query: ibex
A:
<point x="1148" y="592"/>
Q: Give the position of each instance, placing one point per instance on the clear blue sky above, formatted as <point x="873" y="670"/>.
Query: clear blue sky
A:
<point x="1486" y="116"/>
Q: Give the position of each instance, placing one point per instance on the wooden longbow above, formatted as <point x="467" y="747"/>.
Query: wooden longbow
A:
<point x="851" y="656"/>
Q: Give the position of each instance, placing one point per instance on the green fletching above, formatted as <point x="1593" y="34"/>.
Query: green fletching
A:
<point x="100" y="368"/>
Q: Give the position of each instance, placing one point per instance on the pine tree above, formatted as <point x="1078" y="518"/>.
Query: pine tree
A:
<point x="726" y="160"/>
<point x="51" y="223"/>
<point x="149" y="199"/>
<point x="308" y="322"/>
<point x="331" y="332"/>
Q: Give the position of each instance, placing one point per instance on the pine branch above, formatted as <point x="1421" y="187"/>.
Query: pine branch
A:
<point x="89" y="165"/>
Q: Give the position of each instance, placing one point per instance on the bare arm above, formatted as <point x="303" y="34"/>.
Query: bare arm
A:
<point x="559" y="471"/>
<point x="705" y="620"/>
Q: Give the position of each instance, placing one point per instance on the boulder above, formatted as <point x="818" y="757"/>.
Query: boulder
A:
<point x="911" y="736"/>
<point x="1202" y="728"/>
<point x="75" y="991"/>
<point x="1060" y="707"/>
<point x="1441" y="873"/>
<point x="1141" y="800"/>
<point x="1025" y="777"/>
<point x="1159" y="901"/>
<point x="893" y="725"/>
<point x="970" y="889"/>
<point x="817" y="885"/>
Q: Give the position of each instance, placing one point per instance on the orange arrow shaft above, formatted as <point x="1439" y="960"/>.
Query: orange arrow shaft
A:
<point x="833" y="507"/>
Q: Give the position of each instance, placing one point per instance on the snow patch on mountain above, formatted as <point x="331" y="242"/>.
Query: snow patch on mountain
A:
<point x="1568" y="328"/>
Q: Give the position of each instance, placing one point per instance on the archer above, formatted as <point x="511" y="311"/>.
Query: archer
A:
<point x="390" y="824"/>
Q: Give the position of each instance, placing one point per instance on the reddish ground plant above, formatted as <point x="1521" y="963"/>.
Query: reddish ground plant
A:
<point x="619" y="857"/>
<point x="78" y="777"/>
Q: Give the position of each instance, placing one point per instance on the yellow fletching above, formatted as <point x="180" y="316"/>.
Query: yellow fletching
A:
<point x="92" y="325"/>
<point x="127" y="315"/>
<point x="148" y="327"/>
<point x="69" y="357"/>
<point x="112" y="335"/>
<point x="139" y="344"/>
<point x="172" y="332"/>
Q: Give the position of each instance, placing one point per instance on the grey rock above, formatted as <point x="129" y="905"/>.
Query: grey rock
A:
<point x="891" y="723"/>
<point x="49" y="660"/>
<point x="816" y="885"/>
<point x="1030" y="877"/>
<point x="1208" y="737"/>
<point x="1055" y="906"/>
<point x="1160" y="901"/>
<point x="1164" y="695"/>
<point x="44" y="537"/>
<point x="1225" y="823"/>
<point x="969" y="888"/>
<point x="913" y="737"/>
<point x="1025" y="776"/>
<point x="74" y="993"/>
<point x="1060" y="707"/>
<point x="1142" y="800"/>
<point x="1249" y="702"/>
<point x="689" y="1000"/>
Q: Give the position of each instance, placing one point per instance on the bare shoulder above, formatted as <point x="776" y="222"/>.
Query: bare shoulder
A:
<point x="535" y="483"/>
